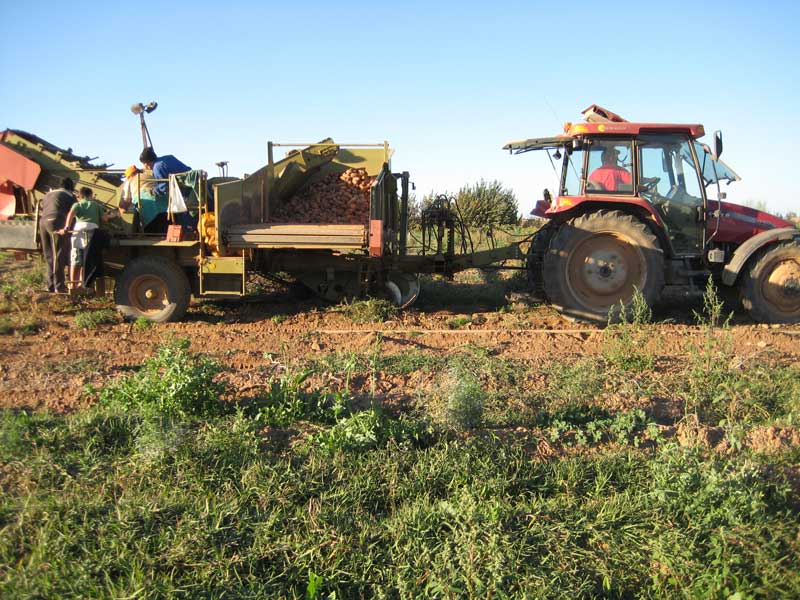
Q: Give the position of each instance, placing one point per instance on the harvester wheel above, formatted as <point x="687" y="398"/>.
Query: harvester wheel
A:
<point x="153" y="288"/>
<point x="598" y="260"/>
<point x="402" y="288"/>
<point x="770" y="287"/>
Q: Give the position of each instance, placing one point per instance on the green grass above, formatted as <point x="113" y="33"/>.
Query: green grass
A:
<point x="97" y="504"/>
<point x="173" y="486"/>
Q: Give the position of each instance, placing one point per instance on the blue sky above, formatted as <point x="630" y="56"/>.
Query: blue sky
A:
<point x="446" y="83"/>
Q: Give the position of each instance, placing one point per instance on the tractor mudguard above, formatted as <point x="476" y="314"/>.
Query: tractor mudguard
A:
<point x="751" y="246"/>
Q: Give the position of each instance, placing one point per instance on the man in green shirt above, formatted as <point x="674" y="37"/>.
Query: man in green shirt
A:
<point x="87" y="216"/>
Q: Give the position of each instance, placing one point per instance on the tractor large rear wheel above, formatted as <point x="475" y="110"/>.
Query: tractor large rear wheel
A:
<point x="154" y="288"/>
<point x="598" y="260"/>
<point x="770" y="287"/>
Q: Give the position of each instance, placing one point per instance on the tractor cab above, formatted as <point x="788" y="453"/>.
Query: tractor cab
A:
<point x="659" y="171"/>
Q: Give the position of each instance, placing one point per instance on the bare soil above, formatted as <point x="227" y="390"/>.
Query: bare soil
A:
<point x="48" y="369"/>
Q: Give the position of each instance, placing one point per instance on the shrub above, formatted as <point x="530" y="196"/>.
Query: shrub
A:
<point x="487" y="204"/>
<point x="5" y="326"/>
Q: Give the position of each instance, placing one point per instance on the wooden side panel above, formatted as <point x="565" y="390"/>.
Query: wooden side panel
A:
<point x="305" y="236"/>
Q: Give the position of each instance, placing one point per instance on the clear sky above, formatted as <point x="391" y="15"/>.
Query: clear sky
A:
<point x="446" y="83"/>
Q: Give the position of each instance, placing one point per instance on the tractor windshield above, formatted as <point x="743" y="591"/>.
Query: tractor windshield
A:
<point x="712" y="170"/>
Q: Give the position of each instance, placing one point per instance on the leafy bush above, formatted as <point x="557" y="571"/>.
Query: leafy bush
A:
<point x="175" y="383"/>
<point x="482" y="205"/>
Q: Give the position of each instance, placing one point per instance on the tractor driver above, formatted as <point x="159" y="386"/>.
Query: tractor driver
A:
<point x="610" y="176"/>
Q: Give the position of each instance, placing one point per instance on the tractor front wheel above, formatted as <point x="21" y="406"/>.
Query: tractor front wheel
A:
<point x="770" y="287"/>
<point x="599" y="260"/>
<point x="153" y="288"/>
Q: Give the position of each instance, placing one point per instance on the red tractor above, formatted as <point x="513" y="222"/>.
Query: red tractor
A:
<point x="633" y="212"/>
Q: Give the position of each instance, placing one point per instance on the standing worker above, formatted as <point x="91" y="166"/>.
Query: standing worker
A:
<point x="162" y="167"/>
<point x="55" y="208"/>
<point x="87" y="215"/>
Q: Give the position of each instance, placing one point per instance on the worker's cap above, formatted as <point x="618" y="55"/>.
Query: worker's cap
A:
<point x="131" y="171"/>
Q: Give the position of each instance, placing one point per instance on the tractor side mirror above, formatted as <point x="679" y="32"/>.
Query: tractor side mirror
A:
<point x="717" y="144"/>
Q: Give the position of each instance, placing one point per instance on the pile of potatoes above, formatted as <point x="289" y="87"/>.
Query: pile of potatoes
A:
<point x="336" y="198"/>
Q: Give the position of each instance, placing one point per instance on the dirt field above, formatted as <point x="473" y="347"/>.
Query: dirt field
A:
<point x="49" y="365"/>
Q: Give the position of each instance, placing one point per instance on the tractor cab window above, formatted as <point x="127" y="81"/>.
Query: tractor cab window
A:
<point x="573" y="167"/>
<point x="668" y="179"/>
<point x="610" y="168"/>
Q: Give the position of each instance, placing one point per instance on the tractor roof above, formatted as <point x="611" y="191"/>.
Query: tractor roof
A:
<point x="628" y="128"/>
<point x="601" y="122"/>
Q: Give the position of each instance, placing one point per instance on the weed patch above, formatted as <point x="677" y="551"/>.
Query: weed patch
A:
<point x="143" y="324"/>
<point x="626" y="341"/>
<point x="371" y="310"/>
<point x="95" y="318"/>
<point x="173" y="384"/>
<point x="371" y="429"/>
<point x="285" y="403"/>
<point x="572" y="383"/>
<point x="465" y="399"/>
